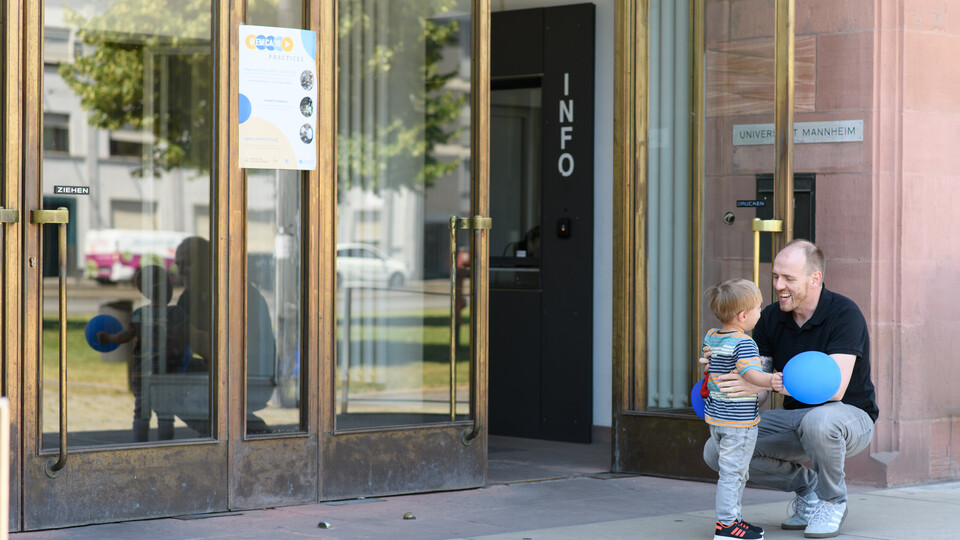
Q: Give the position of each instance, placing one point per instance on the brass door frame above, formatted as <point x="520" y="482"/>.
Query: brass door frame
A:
<point x="450" y="455"/>
<point x="783" y="121"/>
<point x="10" y="235"/>
<point x="277" y="470"/>
<point x="680" y="454"/>
<point x="98" y="484"/>
<point x="629" y="206"/>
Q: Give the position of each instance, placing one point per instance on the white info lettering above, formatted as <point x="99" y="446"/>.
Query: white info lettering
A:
<point x="565" y="163"/>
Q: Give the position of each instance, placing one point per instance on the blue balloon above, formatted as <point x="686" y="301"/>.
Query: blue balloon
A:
<point x="105" y="323"/>
<point x="696" y="399"/>
<point x="812" y="377"/>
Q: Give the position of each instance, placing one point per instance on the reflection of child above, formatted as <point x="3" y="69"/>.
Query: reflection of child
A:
<point x="733" y="421"/>
<point x="159" y="330"/>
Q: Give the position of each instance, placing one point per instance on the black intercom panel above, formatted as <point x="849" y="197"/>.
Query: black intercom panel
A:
<point x="804" y="208"/>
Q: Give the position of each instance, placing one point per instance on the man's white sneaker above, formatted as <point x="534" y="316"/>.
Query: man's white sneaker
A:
<point x="826" y="519"/>
<point x="801" y="509"/>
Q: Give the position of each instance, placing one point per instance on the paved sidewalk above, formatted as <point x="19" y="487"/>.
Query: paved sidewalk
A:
<point x="594" y="507"/>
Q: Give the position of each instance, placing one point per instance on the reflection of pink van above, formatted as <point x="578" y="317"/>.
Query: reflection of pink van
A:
<point x="114" y="255"/>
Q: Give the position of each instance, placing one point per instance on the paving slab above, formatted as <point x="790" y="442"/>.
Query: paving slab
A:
<point x="591" y="507"/>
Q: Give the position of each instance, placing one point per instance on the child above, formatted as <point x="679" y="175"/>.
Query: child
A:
<point x="733" y="421"/>
<point x="160" y="333"/>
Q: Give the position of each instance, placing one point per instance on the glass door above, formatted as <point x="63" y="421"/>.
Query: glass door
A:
<point x="409" y="285"/>
<point x="686" y="209"/>
<point x="120" y="296"/>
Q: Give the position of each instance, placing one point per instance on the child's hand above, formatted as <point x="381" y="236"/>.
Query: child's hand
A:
<point x="777" y="382"/>
<point x="705" y="359"/>
<point x="102" y="337"/>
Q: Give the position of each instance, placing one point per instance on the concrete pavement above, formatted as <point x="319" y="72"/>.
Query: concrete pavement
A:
<point x="595" y="506"/>
<point x="547" y="490"/>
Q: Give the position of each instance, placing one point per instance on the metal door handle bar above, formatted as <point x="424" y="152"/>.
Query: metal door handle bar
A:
<point x="60" y="217"/>
<point x="762" y="225"/>
<point x="9" y="215"/>
<point x="476" y="223"/>
<point x="455" y="223"/>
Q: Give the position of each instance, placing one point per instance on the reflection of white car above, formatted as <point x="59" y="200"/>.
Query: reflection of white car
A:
<point x="363" y="263"/>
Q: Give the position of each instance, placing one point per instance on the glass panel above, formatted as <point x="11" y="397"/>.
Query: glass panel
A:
<point x="127" y="114"/>
<point x="515" y="120"/>
<point x="403" y="155"/>
<point x="668" y="196"/>
<point x="273" y="275"/>
<point x="273" y="301"/>
<point x="739" y="72"/>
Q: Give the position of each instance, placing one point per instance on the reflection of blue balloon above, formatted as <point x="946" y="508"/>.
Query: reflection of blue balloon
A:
<point x="105" y="323"/>
<point x="696" y="399"/>
<point x="811" y="377"/>
<point x="185" y="360"/>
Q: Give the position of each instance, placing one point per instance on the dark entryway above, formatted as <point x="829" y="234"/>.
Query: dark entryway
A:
<point x="541" y="185"/>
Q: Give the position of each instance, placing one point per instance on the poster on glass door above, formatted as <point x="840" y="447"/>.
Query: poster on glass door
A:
<point x="278" y="97"/>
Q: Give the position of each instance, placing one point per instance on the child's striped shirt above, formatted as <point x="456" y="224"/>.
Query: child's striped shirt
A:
<point x="733" y="351"/>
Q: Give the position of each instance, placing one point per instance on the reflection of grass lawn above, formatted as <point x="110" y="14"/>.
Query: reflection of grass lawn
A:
<point x="98" y="396"/>
<point x="416" y="357"/>
<point x="416" y="351"/>
<point x="84" y="364"/>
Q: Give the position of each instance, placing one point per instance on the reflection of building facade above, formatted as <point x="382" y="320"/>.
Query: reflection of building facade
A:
<point x="108" y="161"/>
<point x="365" y="371"/>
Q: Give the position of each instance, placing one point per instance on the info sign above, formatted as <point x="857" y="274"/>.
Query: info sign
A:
<point x="278" y="98"/>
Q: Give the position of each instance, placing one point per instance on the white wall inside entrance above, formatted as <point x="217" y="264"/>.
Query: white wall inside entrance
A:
<point x="603" y="202"/>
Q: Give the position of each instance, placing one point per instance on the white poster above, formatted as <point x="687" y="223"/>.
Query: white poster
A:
<point x="278" y="98"/>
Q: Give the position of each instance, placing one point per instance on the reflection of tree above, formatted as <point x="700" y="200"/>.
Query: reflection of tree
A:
<point x="163" y="44"/>
<point x="423" y="118"/>
<point x="148" y="66"/>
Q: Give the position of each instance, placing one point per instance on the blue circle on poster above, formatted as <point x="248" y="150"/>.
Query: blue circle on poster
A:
<point x="245" y="109"/>
<point x="105" y="323"/>
<point x="309" y="40"/>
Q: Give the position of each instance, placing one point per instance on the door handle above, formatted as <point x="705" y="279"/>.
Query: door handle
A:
<point x="9" y="215"/>
<point x="59" y="217"/>
<point x="476" y="223"/>
<point x="762" y="225"/>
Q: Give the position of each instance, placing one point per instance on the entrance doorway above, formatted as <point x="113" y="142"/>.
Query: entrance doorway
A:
<point x="541" y="263"/>
<point x="517" y="459"/>
<point x="174" y="338"/>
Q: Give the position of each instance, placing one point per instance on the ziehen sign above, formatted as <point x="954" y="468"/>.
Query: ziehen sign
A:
<point x="71" y="190"/>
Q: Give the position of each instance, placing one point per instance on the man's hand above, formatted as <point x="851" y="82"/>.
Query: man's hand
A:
<point x="734" y="385"/>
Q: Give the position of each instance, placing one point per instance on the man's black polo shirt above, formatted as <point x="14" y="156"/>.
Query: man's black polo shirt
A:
<point x="836" y="327"/>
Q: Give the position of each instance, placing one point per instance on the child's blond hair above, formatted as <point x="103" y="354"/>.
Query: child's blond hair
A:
<point x="731" y="297"/>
